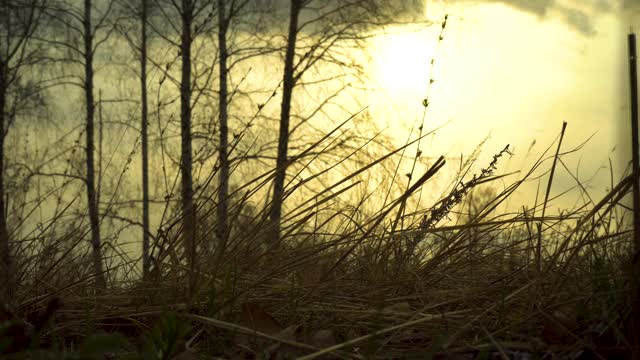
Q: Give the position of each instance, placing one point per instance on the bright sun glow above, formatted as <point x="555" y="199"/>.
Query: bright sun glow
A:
<point x="402" y="61"/>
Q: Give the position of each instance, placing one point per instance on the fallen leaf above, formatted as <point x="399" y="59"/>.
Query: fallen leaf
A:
<point x="290" y="333"/>
<point x="323" y="339"/>
<point x="253" y="316"/>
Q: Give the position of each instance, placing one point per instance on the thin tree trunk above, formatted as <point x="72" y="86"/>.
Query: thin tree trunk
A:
<point x="6" y="270"/>
<point x="223" y="191"/>
<point x="635" y="147"/>
<point x="285" y="111"/>
<point x="94" y="220"/>
<point x="188" y="210"/>
<point x="145" y="149"/>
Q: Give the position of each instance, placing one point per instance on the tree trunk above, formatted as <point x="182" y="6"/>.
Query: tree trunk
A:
<point x="223" y="190"/>
<point x="7" y="277"/>
<point x="145" y="148"/>
<point x="94" y="220"/>
<point x="285" y="111"/>
<point x="188" y="210"/>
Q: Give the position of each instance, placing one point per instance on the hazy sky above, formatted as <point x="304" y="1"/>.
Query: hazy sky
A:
<point x="516" y="70"/>
<point x="513" y="70"/>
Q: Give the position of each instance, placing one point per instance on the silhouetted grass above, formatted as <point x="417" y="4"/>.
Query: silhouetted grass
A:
<point x="353" y="286"/>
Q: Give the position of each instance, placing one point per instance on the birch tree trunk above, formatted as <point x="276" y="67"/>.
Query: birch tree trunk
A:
<point x="94" y="216"/>
<point x="188" y="210"/>
<point x="19" y="23"/>
<point x="144" y="139"/>
<point x="223" y="189"/>
<point x="283" y="139"/>
<point x="5" y="249"/>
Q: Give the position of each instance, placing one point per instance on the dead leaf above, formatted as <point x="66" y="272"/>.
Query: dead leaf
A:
<point x="558" y="326"/>
<point x="290" y="333"/>
<point x="253" y="316"/>
<point x="323" y="339"/>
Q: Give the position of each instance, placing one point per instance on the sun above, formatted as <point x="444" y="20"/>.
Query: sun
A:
<point x="401" y="61"/>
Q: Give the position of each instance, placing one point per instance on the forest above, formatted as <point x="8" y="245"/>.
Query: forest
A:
<point x="198" y="179"/>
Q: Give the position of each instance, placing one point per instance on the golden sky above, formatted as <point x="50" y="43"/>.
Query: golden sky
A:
<point x="516" y="70"/>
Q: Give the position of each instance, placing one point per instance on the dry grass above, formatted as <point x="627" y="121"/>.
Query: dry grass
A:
<point x="361" y="288"/>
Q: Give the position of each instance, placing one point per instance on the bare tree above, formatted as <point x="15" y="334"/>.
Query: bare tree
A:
<point x="144" y="121"/>
<point x="188" y="209"/>
<point x="144" y="134"/>
<point x="188" y="12"/>
<point x="92" y="199"/>
<point x="19" y="20"/>
<point x="140" y="14"/>
<point x="223" y="190"/>
<point x="81" y="46"/>
<point x="227" y="13"/>
<point x="319" y="33"/>
<point x="288" y="84"/>
<point x="179" y="24"/>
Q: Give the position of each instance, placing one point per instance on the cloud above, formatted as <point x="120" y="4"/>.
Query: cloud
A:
<point x="579" y="20"/>
<point x="538" y="7"/>
<point x="579" y="14"/>
<point x="630" y="4"/>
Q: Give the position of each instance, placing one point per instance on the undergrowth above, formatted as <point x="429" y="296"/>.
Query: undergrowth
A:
<point x="366" y="289"/>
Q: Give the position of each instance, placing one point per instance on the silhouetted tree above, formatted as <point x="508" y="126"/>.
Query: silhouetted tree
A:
<point x="194" y="16"/>
<point x="228" y="12"/>
<point x="144" y="122"/>
<point x="188" y="210"/>
<point x="81" y="45"/>
<point x="94" y="220"/>
<point x="317" y="30"/>
<point x="288" y="83"/>
<point x="224" y="18"/>
<point x="140" y="14"/>
<point x="19" y="19"/>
